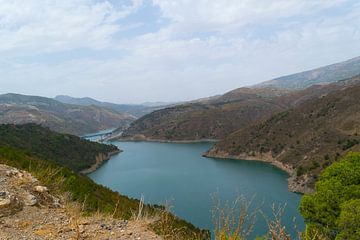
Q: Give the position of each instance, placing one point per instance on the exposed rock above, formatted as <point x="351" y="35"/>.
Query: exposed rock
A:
<point x="30" y="200"/>
<point x="5" y="202"/>
<point x="40" y="189"/>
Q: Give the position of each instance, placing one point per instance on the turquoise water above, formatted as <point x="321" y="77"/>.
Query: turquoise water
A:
<point x="163" y="172"/>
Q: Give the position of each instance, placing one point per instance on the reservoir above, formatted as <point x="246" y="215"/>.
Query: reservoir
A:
<point x="176" y="173"/>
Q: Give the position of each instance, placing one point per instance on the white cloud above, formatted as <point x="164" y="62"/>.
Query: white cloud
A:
<point x="205" y="48"/>
<point x="230" y="15"/>
<point x="52" y="26"/>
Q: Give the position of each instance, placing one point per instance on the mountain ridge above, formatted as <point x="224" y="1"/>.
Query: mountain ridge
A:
<point x="321" y="75"/>
<point x="65" y="118"/>
<point x="136" y="110"/>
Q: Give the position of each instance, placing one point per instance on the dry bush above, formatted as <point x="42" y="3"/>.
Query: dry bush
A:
<point x="233" y="221"/>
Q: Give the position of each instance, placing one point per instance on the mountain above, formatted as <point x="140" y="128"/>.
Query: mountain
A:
<point x="137" y="110"/>
<point x="60" y="117"/>
<point x="219" y="116"/>
<point x="211" y="118"/>
<point x="322" y="75"/>
<point x="302" y="140"/>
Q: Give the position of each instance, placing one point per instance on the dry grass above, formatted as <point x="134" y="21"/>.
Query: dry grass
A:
<point x="276" y="230"/>
<point x="236" y="221"/>
<point x="233" y="221"/>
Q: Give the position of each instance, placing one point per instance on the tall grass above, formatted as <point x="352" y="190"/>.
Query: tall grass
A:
<point x="236" y="221"/>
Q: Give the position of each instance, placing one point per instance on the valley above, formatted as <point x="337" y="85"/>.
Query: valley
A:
<point x="222" y="145"/>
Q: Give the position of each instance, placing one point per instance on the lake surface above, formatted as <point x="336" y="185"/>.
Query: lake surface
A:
<point x="175" y="172"/>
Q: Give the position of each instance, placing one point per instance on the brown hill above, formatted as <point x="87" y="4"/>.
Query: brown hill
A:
<point x="304" y="139"/>
<point x="220" y="116"/>
<point x="60" y="117"/>
<point x="208" y="119"/>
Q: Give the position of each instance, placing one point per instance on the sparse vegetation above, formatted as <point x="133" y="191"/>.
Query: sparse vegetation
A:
<point x="314" y="143"/>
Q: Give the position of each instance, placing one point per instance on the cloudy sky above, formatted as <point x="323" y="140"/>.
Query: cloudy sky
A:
<point x="132" y="51"/>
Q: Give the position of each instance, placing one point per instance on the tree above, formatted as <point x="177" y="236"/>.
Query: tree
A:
<point x="337" y="193"/>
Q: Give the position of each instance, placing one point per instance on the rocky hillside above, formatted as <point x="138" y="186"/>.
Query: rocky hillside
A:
<point x="29" y="210"/>
<point x="322" y="75"/>
<point x="60" y="117"/>
<point x="218" y="117"/>
<point x="304" y="139"/>
<point x="212" y="118"/>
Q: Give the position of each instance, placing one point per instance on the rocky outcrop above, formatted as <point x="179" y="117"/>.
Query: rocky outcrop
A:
<point x="28" y="210"/>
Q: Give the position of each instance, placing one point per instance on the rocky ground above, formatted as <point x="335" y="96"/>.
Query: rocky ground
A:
<point x="29" y="211"/>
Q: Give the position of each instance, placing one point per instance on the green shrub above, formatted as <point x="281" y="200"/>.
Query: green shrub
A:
<point x="337" y="192"/>
<point x="300" y="171"/>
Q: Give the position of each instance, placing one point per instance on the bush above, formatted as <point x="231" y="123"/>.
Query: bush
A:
<point x="300" y="171"/>
<point x="333" y="208"/>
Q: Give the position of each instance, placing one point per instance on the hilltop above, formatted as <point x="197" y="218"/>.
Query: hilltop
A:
<point x="302" y="140"/>
<point x="60" y="117"/>
<point x="321" y="75"/>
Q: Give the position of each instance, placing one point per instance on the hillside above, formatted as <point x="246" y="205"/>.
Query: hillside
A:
<point x="60" y="117"/>
<point x="137" y="110"/>
<point x="68" y="150"/>
<point x="208" y="119"/>
<point x="28" y="210"/>
<point x="78" y="188"/>
<point x="304" y="139"/>
<point x="322" y="75"/>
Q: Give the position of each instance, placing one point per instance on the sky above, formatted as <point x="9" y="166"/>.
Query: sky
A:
<point x="133" y="51"/>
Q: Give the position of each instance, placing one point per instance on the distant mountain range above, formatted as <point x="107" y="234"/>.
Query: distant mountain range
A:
<point x="58" y="116"/>
<point x="322" y="75"/>
<point x="137" y="110"/>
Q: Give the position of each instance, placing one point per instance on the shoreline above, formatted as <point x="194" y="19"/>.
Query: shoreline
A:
<point x="100" y="159"/>
<point x="161" y="140"/>
<point x="295" y="184"/>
